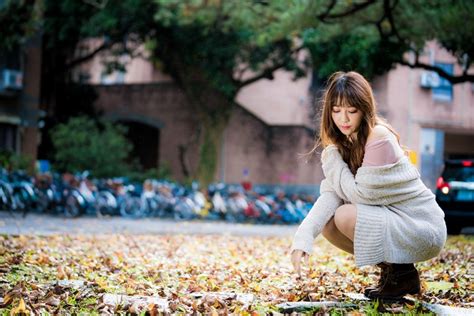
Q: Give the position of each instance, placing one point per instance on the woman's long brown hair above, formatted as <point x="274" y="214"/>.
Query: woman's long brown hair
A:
<point x="349" y="89"/>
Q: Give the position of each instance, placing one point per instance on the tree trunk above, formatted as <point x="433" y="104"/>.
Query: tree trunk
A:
<point x="212" y="109"/>
<point x="213" y="126"/>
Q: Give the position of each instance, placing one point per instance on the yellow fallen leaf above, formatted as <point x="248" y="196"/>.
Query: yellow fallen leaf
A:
<point x="214" y="311"/>
<point x="256" y="287"/>
<point x="42" y="259"/>
<point x="101" y="283"/>
<point x="20" y="309"/>
<point x="152" y="309"/>
<point x="194" y="306"/>
<point x="61" y="273"/>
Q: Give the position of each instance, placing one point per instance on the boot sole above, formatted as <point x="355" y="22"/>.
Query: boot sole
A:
<point x="401" y="300"/>
<point x="394" y="298"/>
<point x="368" y="290"/>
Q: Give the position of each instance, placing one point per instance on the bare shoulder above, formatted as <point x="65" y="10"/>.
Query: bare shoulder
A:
<point x="379" y="132"/>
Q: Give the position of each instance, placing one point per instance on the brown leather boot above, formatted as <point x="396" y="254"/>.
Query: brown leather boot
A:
<point x="402" y="279"/>
<point x="384" y="269"/>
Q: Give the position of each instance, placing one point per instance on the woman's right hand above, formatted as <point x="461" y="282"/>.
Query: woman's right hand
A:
<point x="296" y="256"/>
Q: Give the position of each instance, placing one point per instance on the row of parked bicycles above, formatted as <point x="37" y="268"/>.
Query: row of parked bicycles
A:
<point x="74" y="195"/>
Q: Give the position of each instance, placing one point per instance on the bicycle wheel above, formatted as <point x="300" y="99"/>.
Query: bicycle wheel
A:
<point x="72" y="208"/>
<point x="132" y="207"/>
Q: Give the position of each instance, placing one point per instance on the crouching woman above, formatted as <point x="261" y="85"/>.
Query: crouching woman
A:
<point x="373" y="203"/>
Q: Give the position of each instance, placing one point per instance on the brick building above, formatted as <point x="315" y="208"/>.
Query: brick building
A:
<point x="271" y="125"/>
<point x="161" y="120"/>
<point x="268" y="129"/>
<point x="20" y="75"/>
<point x="434" y="118"/>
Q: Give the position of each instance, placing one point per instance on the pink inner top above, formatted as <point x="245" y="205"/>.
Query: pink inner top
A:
<point x="382" y="151"/>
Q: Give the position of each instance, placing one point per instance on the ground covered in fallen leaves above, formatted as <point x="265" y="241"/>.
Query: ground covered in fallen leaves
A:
<point x="86" y="274"/>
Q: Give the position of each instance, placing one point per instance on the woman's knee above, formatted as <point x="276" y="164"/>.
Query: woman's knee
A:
<point x="345" y="217"/>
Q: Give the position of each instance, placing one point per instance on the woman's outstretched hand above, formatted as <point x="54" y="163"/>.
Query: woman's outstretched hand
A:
<point x="296" y="256"/>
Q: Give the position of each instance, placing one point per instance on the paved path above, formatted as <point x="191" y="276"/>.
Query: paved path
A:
<point x="45" y="224"/>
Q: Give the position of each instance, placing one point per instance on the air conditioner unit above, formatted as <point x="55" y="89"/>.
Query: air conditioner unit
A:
<point x="430" y="79"/>
<point x="11" y="79"/>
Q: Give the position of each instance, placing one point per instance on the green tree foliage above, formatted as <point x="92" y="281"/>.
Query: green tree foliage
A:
<point x="224" y="45"/>
<point x="220" y="38"/>
<point x="214" y="48"/>
<point x="17" y="19"/>
<point x="81" y="144"/>
<point x="360" y="50"/>
<point x="368" y="36"/>
<point x="379" y="35"/>
<point x="119" y="26"/>
<point x="13" y="161"/>
<point x="231" y="43"/>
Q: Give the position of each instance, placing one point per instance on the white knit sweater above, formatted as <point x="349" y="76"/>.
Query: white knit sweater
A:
<point x="398" y="219"/>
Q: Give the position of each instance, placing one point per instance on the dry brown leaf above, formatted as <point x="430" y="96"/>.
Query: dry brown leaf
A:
<point x="53" y="301"/>
<point x="61" y="274"/>
<point x="7" y="299"/>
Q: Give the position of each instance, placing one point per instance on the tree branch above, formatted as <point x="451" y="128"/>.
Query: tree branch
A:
<point x="267" y="73"/>
<point x="388" y="13"/>
<point x="328" y="10"/>
<point x="77" y="61"/>
<point x="465" y="77"/>
<point x="241" y="72"/>
<point x="97" y="4"/>
<point x="354" y="9"/>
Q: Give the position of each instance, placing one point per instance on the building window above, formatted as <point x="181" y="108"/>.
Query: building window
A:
<point x="444" y="92"/>
<point x="120" y="77"/>
<point x="8" y="137"/>
<point x="116" y="77"/>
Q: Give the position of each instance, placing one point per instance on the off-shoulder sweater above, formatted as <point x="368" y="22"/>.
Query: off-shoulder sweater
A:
<point x="398" y="219"/>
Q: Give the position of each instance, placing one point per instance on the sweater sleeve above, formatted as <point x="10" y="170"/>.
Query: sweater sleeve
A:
<point x="314" y="222"/>
<point x="341" y="178"/>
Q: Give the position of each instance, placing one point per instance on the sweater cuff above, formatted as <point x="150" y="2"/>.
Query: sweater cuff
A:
<point x="302" y="242"/>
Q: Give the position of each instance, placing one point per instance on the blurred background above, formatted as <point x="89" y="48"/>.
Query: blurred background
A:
<point x="221" y="91"/>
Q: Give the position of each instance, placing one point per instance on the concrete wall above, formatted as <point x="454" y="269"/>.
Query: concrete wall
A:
<point x="265" y="136"/>
<point x="277" y="102"/>
<point x="411" y="107"/>
<point x="139" y="70"/>
<point x="417" y="115"/>
<point x="269" y="153"/>
<point x="160" y="105"/>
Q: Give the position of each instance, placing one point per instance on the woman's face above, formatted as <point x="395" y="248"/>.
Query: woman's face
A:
<point x="347" y="119"/>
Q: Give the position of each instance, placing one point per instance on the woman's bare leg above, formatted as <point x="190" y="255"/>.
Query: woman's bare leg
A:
<point x="335" y="237"/>
<point x="345" y="220"/>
